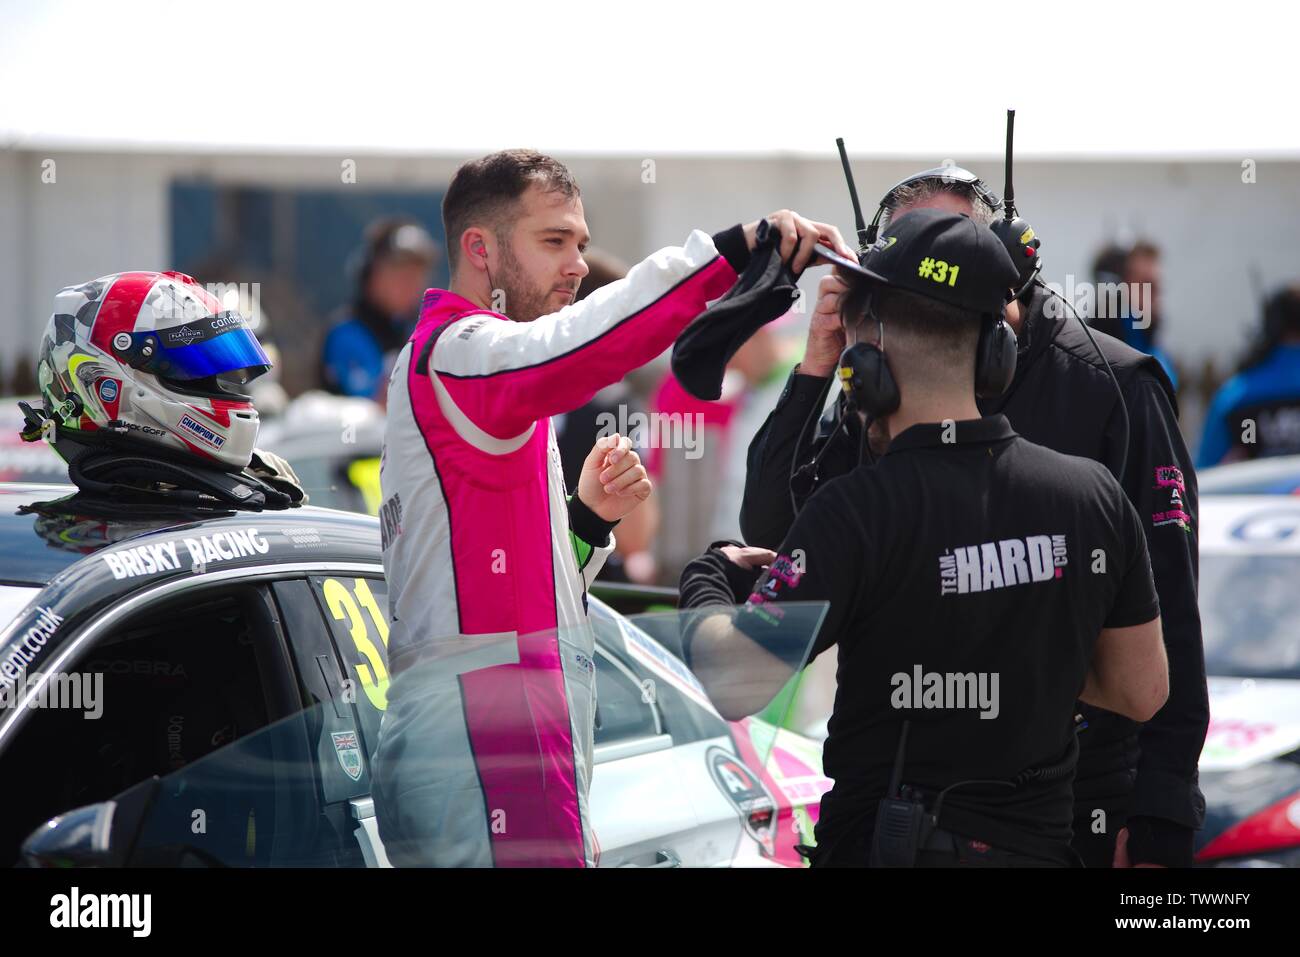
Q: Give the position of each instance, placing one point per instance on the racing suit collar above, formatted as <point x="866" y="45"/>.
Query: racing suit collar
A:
<point x="443" y="302"/>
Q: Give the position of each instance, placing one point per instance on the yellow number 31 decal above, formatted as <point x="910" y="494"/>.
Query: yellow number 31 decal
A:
<point x="342" y="605"/>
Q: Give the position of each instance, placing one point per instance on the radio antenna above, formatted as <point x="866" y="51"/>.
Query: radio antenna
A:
<point x="1009" y="193"/>
<point x="853" y="196"/>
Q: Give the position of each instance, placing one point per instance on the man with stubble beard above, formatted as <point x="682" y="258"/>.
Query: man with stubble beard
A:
<point x="485" y="752"/>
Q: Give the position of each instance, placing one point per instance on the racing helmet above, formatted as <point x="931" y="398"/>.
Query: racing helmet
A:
<point x="154" y="358"/>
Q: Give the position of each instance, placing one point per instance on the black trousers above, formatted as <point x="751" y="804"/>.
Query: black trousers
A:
<point x="944" y="849"/>
<point x="941" y="849"/>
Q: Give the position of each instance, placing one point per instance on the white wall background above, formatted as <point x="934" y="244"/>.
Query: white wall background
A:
<point x="107" y="212"/>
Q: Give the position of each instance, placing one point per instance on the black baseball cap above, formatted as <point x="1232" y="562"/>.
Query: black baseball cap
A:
<point x="942" y="256"/>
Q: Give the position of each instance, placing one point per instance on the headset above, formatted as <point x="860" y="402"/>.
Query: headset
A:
<point x="865" y="378"/>
<point x="864" y="372"/>
<point x="869" y="384"/>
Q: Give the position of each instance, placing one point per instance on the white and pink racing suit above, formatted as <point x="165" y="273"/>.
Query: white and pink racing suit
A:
<point x="485" y="752"/>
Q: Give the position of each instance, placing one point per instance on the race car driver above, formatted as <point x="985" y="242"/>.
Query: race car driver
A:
<point x="1136" y="795"/>
<point x="144" y="379"/>
<point x="487" y="760"/>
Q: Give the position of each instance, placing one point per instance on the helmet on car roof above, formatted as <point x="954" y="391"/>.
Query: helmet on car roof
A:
<point x="153" y="357"/>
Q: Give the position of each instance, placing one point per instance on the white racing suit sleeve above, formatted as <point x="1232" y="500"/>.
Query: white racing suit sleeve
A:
<point x="504" y="376"/>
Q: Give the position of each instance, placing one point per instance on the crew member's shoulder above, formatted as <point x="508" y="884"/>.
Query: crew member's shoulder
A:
<point x="1135" y="370"/>
<point x="1060" y="470"/>
<point x="1073" y="341"/>
<point x="851" y="492"/>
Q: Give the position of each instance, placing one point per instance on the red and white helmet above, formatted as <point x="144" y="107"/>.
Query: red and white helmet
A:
<point x="154" y="357"/>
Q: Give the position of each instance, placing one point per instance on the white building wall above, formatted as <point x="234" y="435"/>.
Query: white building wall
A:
<point x="108" y="211"/>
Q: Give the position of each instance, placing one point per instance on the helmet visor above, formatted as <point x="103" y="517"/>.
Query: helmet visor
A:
<point x="201" y="349"/>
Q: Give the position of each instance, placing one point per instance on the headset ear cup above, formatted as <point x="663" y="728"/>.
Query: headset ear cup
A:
<point x="867" y="381"/>
<point x="995" y="359"/>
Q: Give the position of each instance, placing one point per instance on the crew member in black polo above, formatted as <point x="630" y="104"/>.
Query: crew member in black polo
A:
<point x="978" y="584"/>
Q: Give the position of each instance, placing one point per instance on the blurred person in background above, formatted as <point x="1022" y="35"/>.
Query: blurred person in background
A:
<point x="700" y="464"/>
<point x="633" y="559"/>
<point x="1140" y="320"/>
<point x="397" y="262"/>
<point x="1256" y="413"/>
<point x="1107" y="274"/>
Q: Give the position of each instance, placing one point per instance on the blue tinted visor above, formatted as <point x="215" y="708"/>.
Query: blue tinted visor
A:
<point x="201" y="349"/>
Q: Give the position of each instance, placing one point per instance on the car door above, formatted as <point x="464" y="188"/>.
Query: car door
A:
<point x="732" y="806"/>
<point x="348" y="725"/>
<point x="197" y="679"/>
<point x="641" y="816"/>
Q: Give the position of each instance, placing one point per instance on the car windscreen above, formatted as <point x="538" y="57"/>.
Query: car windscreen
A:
<point x="1250" y="614"/>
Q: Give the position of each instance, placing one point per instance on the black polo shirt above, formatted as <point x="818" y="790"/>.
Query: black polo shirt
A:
<point x="969" y="574"/>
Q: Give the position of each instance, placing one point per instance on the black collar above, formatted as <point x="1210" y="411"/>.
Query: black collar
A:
<point x="990" y="428"/>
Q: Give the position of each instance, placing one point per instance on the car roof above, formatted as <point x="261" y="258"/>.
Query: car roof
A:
<point x="38" y="546"/>
<point x="1249" y="525"/>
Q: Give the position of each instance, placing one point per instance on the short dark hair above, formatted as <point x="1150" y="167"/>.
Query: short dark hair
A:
<point x="484" y="192"/>
<point x="934" y="340"/>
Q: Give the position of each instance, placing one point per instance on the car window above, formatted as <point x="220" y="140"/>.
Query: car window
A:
<point x="659" y="675"/>
<point x="251" y="804"/>
<point x="624" y="709"/>
<point x="180" y="679"/>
